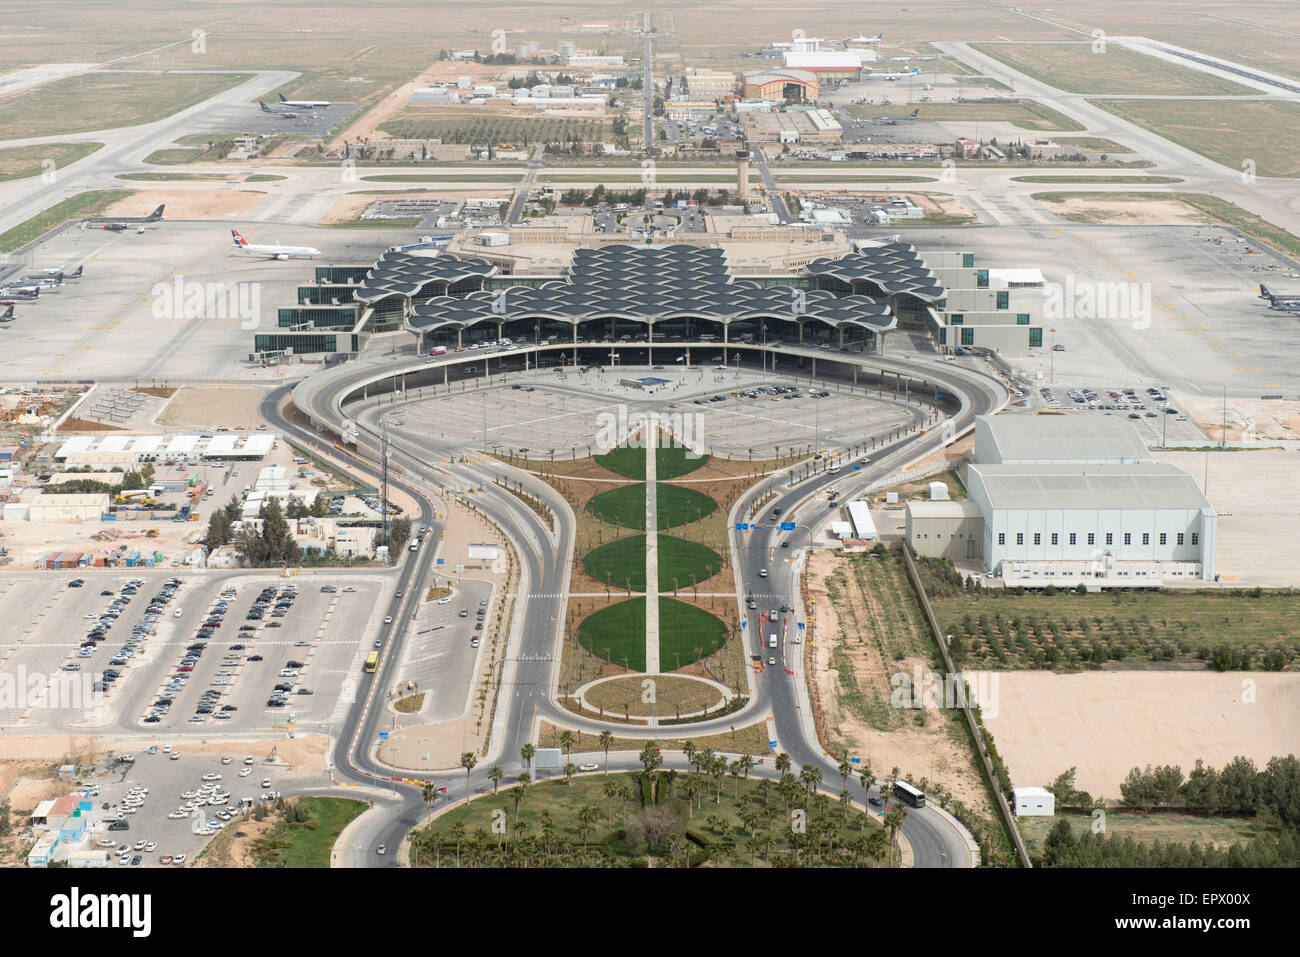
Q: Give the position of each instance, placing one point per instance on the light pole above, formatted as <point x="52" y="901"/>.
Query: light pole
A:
<point x="1051" y="359"/>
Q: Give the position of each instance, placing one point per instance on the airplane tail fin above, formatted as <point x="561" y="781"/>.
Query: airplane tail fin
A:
<point x="916" y="113"/>
<point x="879" y="36"/>
<point x="283" y="98"/>
<point x="239" y="240"/>
<point x="265" y="108"/>
<point x="77" y="273"/>
<point x="8" y="313"/>
<point x="157" y="213"/>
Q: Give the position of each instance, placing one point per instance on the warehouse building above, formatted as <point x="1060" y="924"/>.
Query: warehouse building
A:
<point x="797" y="86"/>
<point x="829" y="65"/>
<point x="710" y="84"/>
<point x="1064" y="500"/>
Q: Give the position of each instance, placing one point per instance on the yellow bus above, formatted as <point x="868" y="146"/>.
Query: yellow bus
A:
<point x="372" y="662"/>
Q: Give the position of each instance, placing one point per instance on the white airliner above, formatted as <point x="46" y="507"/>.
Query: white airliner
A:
<point x="303" y="104"/>
<point x="276" y="251"/>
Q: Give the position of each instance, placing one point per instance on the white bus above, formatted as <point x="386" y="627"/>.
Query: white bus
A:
<point x="908" y="794"/>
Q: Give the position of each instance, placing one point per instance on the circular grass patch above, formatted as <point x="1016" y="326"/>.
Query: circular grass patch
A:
<point x="621" y="564"/>
<point x="617" y="633"/>
<point x="626" y="506"/>
<point x="686" y="633"/>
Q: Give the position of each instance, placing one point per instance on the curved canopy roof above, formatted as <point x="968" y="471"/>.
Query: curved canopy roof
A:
<point x="894" y="269"/>
<point x="403" y="274"/>
<point x="652" y="284"/>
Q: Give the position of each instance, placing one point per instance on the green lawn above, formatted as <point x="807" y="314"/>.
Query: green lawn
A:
<point x="20" y="162"/>
<point x="1143" y="180"/>
<point x="624" y="562"/>
<point x="90" y="203"/>
<point x="670" y="462"/>
<point x="617" y="633"/>
<point x="1026" y="114"/>
<point x="686" y="633"/>
<point x="1179" y="828"/>
<point x="713" y="825"/>
<point x="1075" y="68"/>
<point x="626" y="506"/>
<point x="1262" y="133"/>
<point x="1175" y="628"/>
<point x="101" y="101"/>
<point x="307" y="843"/>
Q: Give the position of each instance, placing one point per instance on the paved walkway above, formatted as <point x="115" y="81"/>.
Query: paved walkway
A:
<point x="651" y="555"/>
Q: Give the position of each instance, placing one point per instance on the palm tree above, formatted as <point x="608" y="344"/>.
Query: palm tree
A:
<point x="811" y="775"/>
<point x="894" y="818"/>
<point x="746" y="762"/>
<point x="519" y="790"/>
<point x="467" y="761"/>
<point x="458" y="832"/>
<point x="495" y="775"/>
<point x="527" y="752"/>
<point x="650" y="757"/>
<point x="567" y="740"/>
<point x="846" y="769"/>
<point x="606" y="739"/>
<point x="867" y="777"/>
<point x="689" y="747"/>
<point x="612" y="789"/>
<point x="570" y="769"/>
<point x="783" y="762"/>
<point x="430" y="793"/>
<point x="587" y="816"/>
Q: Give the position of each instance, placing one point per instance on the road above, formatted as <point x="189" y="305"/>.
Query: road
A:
<point x="530" y="674"/>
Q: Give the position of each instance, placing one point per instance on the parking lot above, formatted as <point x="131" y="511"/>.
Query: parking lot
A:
<point x="1153" y="413"/>
<point x="533" y="413"/>
<point x="133" y="652"/>
<point x="443" y="646"/>
<point x="167" y="801"/>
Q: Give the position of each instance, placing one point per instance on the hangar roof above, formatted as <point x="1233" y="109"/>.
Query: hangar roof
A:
<point x="1144" y="486"/>
<point x="1067" y="438"/>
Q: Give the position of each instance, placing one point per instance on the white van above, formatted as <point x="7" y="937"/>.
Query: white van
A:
<point x="771" y="640"/>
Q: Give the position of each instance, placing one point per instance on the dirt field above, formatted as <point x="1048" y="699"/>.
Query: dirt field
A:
<point x="190" y="203"/>
<point x="1097" y="208"/>
<point x="1258" y="529"/>
<point x="1109" y="722"/>
<point x="367" y="126"/>
<point x="199" y="407"/>
<point x="861" y="638"/>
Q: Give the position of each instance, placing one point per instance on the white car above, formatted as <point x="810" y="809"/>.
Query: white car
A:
<point x="388" y="619"/>
<point x="177" y="815"/>
<point x="178" y="859"/>
<point x="248" y="760"/>
<point x="441" y="601"/>
<point x="588" y="767"/>
<point x="245" y="772"/>
<point x="212" y="776"/>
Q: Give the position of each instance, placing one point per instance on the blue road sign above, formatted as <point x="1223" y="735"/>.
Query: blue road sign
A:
<point x="439" y="561"/>
<point x="742" y="526"/>
<point x="857" y="468"/>
<point x="744" y="624"/>
<point x="855" y="760"/>
<point x="383" y="735"/>
<point x="787" y="526"/>
<point x="801" y="626"/>
<point x="772" y="745"/>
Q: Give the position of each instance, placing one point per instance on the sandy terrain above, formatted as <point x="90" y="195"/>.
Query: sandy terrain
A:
<point x="190" y="203"/>
<point x="1259" y="521"/>
<point x="919" y="751"/>
<point x="197" y="407"/>
<point x="1106" y="723"/>
<point x="1153" y="212"/>
<point x="1250" y="420"/>
<point x="367" y="127"/>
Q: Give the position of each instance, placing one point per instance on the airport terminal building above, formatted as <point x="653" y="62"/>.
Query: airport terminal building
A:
<point x="1066" y="500"/>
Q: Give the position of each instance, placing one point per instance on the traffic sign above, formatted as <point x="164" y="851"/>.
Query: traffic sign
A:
<point x="772" y="745"/>
<point x="855" y="760"/>
<point x="742" y="526"/>
<point x="787" y="526"/>
<point x="744" y="624"/>
<point x="801" y="626"/>
<point x="383" y="735"/>
<point x="439" y="561"/>
<point x="857" y="468"/>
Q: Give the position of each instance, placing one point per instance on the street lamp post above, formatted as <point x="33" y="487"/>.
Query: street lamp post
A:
<point x="1051" y="359"/>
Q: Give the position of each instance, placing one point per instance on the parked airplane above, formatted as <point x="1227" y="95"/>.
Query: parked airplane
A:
<point x="894" y="120"/>
<point x="9" y="297"/>
<point x="8" y="315"/>
<point x="303" y="104"/>
<point x="119" y="223"/>
<point x="861" y="39"/>
<point x="59" y="274"/>
<point x="276" y="251"/>
<point x="1276" y="301"/>
<point x="285" y="114"/>
<point x="892" y="76"/>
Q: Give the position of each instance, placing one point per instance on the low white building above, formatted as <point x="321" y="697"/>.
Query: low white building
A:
<point x="1033" y="802"/>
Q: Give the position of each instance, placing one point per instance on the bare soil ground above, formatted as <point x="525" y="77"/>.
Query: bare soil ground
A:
<point x="1106" y="723"/>
<point x="869" y="630"/>
<point x="199" y="407"/>
<point x="190" y="203"/>
<point x="1147" y="212"/>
